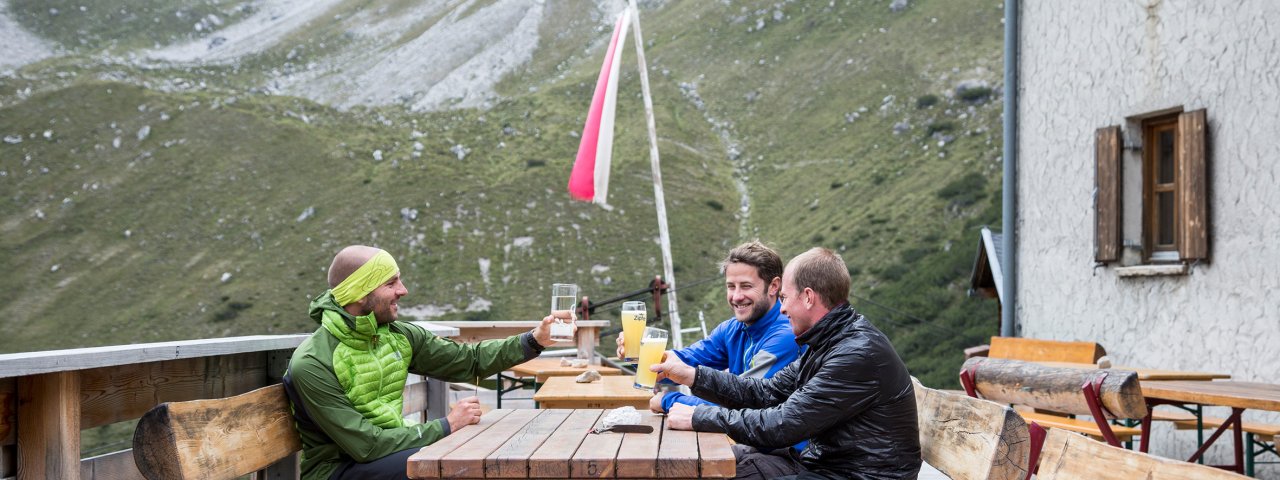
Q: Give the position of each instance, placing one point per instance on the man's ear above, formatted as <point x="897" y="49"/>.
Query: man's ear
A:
<point x="774" y="287"/>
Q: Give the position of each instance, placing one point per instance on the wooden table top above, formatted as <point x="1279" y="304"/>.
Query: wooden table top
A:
<point x="1226" y="393"/>
<point x="616" y="387"/>
<point x="544" y="368"/>
<point x="525" y="443"/>
<point x="1145" y="374"/>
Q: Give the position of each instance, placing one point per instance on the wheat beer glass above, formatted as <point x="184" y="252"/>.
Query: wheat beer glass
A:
<point x="652" y="344"/>
<point x="564" y="297"/>
<point x="633" y="323"/>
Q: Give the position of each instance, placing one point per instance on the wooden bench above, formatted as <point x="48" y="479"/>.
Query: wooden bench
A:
<point x="1037" y="350"/>
<point x="1068" y="456"/>
<point x="1101" y="394"/>
<point x="969" y="438"/>
<point x="218" y="438"/>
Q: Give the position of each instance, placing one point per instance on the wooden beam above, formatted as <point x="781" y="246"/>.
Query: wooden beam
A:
<point x="33" y="363"/>
<point x="511" y="460"/>
<point x="1037" y="350"/>
<point x="113" y="394"/>
<point x="49" y="426"/>
<point x="1070" y="456"/>
<point x="426" y="462"/>
<point x="8" y="411"/>
<point x="219" y="438"/>
<point x="1056" y="389"/>
<point x="548" y="460"/>
<point x="969" y="438"/>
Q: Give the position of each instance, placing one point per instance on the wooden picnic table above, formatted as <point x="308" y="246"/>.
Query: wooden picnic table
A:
<point x="1146" y="374"/>
<point x="1237" y="395"/>
<point x="543" y="368"/>
<point x="526" y="443"/>
<point x="610" y="392"/>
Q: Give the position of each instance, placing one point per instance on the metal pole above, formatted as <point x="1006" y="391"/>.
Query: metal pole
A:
<point x="658" y="197"/>
<point x="1009" y="210"/>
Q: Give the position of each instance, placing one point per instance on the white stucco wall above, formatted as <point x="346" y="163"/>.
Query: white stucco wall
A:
<point x="1090" y="63"/>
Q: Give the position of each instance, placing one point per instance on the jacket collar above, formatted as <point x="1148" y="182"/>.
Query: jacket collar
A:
<point x="351" y="330"/>
<point x="764" y="323"/>
<point x="830" y="326"/>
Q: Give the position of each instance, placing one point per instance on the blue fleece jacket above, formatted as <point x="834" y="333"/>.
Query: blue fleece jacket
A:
<point x="757" y="350"/>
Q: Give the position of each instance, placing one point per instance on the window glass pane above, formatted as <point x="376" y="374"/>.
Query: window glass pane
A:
<point x="1164" y="224"/>
<point x="1164" y="172"/>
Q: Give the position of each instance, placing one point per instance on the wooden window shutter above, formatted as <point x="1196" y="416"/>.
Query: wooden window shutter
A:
<point x="1192" y="187"/>
<point x="1106" y="196"/>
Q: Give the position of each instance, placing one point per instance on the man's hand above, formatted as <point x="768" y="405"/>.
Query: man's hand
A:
<point x="466" y="412"/>
<point x="680" y="417"/>
<point x="675" y="369"/>
<point x="655" y="403"/>
<point x="622" y="349"/>
<point x="542" y="332"/>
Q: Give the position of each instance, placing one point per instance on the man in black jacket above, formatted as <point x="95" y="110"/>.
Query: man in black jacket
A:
<point x="850" y="394"/>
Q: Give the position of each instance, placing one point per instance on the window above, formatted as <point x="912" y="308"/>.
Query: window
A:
<point x="1174" y="209"/>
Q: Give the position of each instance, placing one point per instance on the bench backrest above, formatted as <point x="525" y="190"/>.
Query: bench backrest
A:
<point x="1036" y="350"/>
<point x="1056" y="389"/>
<point x="969" y="438"/>
<point x="218" y="438"/>
<point x="1070" y="456"/>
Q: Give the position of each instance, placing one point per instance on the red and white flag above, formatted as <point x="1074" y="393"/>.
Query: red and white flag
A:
<point x="589" y="180"/>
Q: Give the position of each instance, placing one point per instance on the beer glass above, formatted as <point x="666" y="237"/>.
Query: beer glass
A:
<point x="633" y="323"/>
<point x="564" y="299"/>
<point x="652" y="344"/>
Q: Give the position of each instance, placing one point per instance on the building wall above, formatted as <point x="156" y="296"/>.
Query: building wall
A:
<point x="1091" y="63"/>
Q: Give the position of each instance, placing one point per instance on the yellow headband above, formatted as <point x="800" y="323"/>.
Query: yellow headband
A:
<point x="365" y="279"/>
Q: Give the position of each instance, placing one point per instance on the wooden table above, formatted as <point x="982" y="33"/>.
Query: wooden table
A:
<point x="1239" y="396"/>
<point x="1146" y="374"/>
<point x="610" y="392"/>
<point x="526" y="443"/>
<point x="543" y="368"/>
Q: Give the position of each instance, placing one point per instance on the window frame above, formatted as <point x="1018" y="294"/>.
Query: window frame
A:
<point x="1154" y="252"/>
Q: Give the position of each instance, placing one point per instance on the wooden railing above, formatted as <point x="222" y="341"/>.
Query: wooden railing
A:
<point x="47" y="398"/>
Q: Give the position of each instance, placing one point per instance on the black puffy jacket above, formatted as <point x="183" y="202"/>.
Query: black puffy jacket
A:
<point x="849" y="395"/>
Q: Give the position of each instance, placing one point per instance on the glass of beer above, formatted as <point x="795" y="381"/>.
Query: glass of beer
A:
<point x="633" y="323"/>
<point x="652" y="344"/>
<point x="564" y="299"/>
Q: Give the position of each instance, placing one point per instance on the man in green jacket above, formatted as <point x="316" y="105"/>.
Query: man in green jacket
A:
<point x="345" y="383"/>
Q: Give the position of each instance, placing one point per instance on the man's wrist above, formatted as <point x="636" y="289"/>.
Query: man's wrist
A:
<point x="531" y="343"/>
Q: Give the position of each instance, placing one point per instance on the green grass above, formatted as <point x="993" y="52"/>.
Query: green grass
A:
<point x="218" y="186"/>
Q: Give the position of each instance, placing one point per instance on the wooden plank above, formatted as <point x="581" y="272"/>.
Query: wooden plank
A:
<point x="49" y="426"/>
<point x="678" y="455"/>
<point x="1070" y="456"/>
<point x="1263" y="430"/>
<point x="597" y="456"/>
<point x="32" y="363"/>
<point x="415" y="398"/>
<point x="609" y="392"/>
<point x="1037" y="350"/>
<point x="638" y="455"/>
<point x="969" y="438"/>
<point x="114" y="394"/>
<point x="1087" y="427"/>
<point x="1226" y="393"/>
<point x="472" y="332"/>
<point x="549" y="460"/>
<point x="8" y="411"/>
<point x="219" y="438"/>
<point x="1107" y="209"/>
<point x="426" y="462"/>
<point x="511" y="460"/>
<point x="716" y="455"/>
<point x="112" y="466"/>
<point x="469" y="462"/>
<point x="1056" y="389"/>
<point x="437" y="329"/>
<point x="543" y="369"/>
<point x="1192" y="186"/>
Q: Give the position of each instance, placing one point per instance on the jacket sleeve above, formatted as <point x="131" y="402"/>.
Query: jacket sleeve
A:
<point x="710" y="352"/>
<point x="328" y="407"/>
<point x="733" y="391"/>
<point x="843" y="388"/>
<point x="775" y="353"/>
<point x="672" y="398"/>
<point x="447" y="360"/>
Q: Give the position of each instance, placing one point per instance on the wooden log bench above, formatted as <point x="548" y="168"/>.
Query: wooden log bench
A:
<point x="1068" y="456"/>
<point x="1101" y="394"/>
<point x="971" y="439"/>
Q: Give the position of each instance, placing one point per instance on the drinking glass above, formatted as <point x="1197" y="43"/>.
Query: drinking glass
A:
<point x="564" y="299"/>
<point x="633" y="323"/>
<point x="652" y="345"/>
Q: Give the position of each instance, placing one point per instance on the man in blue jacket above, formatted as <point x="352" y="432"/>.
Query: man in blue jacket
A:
<point x="759" y="343"/>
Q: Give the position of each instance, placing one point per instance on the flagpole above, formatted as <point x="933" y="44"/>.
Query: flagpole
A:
<point x="663" y="235"/>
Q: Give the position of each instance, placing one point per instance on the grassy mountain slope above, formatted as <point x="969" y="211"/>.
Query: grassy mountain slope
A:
<point x="788" y="102"/>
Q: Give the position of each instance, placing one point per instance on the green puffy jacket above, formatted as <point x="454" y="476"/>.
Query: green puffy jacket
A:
<point x="346" y="382"/>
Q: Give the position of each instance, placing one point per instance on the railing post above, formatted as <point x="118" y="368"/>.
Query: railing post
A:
<point x="49" y="426"/>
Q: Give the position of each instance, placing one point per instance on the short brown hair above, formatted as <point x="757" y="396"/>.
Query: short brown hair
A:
<point x="823" y="271"/>
<point x="767" y="262"/>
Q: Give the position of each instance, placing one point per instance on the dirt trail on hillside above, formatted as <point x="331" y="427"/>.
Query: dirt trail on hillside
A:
<point x="19" y="47"/>
<point x="264" y="29"/>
